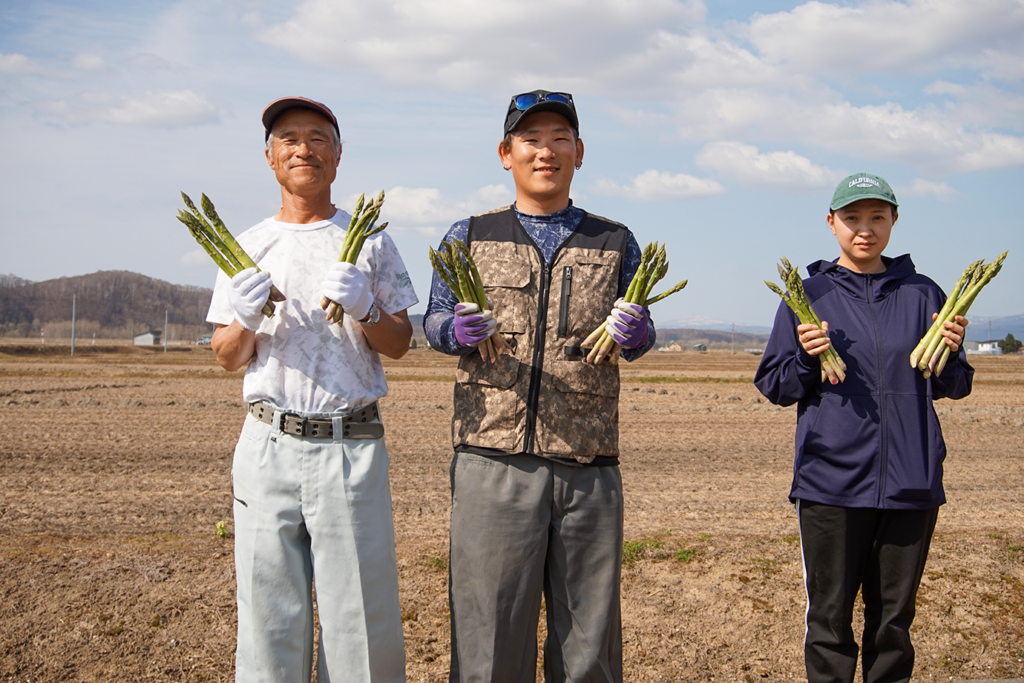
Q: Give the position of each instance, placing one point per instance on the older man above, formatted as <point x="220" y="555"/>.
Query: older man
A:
<point x="310" y="471"/>
<point x="536" y="490"/>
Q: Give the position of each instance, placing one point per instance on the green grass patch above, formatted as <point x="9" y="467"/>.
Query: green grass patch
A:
<point x="438" y="563"/>
<point x="686" y="554"/>
<point x="638" y="549"/>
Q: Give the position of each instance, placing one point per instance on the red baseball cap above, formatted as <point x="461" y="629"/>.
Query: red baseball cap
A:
<point x="278" y="107"/>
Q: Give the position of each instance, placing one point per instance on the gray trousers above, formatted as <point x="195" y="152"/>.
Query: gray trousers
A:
<point x="308" y="508"/>
<point x="882" y="554"/>
<point x="521" y="525"/>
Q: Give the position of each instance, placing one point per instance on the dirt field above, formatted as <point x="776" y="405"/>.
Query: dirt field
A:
<point x="114" y="471"/>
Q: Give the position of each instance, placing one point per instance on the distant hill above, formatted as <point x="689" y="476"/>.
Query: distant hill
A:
<point x="112" y="299"/>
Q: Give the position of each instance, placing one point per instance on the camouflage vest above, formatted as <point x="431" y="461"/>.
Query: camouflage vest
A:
<point x="542" y="399"/>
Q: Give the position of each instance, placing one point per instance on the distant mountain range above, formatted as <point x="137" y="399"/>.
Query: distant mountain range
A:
<point x="116" y="298"/>
<point x="112" y="298"/>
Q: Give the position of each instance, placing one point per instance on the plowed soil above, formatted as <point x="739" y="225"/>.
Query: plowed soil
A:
<point x="114" y="472"/>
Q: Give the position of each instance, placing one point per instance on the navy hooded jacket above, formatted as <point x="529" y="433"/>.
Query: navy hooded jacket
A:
<point x="872" y="441"/>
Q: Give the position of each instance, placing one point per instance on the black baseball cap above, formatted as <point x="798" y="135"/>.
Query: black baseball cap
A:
<point x="541" y="100"/>
<point x="278" y="107"/>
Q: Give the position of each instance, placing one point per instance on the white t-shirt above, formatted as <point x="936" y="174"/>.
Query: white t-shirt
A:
<point x="302" y="363"/>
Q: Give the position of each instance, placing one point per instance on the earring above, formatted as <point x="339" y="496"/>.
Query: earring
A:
<point x="508" y="168"/>
<point x="579" y="166"/>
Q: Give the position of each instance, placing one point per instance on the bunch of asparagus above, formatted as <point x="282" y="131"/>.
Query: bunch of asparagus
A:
<point x="653" y="267"/>
<point x="931" y="354"/>
<point x="220" y="245"/>
<point x="360" y="227"/>
<point x="832" y="366"/>
<point x="455" y="266"/>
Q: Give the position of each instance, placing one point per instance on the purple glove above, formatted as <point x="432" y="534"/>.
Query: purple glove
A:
<point x="627" y="324"/>
<point x="471" y="326"/>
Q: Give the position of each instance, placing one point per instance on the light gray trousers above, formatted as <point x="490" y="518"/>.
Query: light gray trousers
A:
<point x="521" y="525"/>
<point x="308" y="508"/>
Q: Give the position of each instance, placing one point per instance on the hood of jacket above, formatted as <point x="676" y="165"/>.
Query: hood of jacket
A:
<point x="862" y="287"/>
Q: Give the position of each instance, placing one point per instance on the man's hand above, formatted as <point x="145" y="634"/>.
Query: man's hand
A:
<point x="471" y="326"/>
<point x="627" y="324"/>
<point x="814" y="339"/>
<point x="248" y="294"/>
<point x="346" y="286"/>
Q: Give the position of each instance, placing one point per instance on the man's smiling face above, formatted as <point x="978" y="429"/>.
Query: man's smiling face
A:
<point x="303" y="152"/>
<point x="542" y="156"/>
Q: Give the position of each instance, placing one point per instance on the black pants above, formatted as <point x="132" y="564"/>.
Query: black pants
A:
<point x="880" y="552"/>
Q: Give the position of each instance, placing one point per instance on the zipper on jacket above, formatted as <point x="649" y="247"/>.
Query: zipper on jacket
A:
<point x="883" y="450"/>
<point x="533" y="395"/>
<point x="563" y="310"/>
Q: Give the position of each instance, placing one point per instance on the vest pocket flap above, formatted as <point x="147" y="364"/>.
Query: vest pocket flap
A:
<point x="596" y="258"/>
<point x="504" y="273"/>
<point x="575" y="377"/>
<point x="501" y="374"/>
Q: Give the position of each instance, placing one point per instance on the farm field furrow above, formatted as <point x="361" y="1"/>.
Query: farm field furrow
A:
<point x="115" y="469"/>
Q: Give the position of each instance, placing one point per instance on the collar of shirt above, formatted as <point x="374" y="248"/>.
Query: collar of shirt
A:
<point x="550" y="231"/>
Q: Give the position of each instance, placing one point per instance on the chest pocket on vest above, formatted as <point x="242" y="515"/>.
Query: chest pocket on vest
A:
<point x="504" y="284"/>
<point x="595" y="282"/>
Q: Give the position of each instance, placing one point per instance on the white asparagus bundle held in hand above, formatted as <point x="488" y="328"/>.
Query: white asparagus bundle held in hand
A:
<point x="653" y="267"/>
<point x="462" y="277"/>
<point x="360" y="227"/>
<point x="220" y="244"/>
<point x="832" y="366"/>
<point x="931" y="354"/>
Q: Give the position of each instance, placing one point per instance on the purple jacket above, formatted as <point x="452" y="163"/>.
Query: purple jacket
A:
<point x="872" y="441"/>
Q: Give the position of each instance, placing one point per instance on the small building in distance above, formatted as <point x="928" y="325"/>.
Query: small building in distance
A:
<point x="151" y="338"/>
<point x="700" y="347"/>
<point x="674" y="346"/>
<point x="988" y="347"/>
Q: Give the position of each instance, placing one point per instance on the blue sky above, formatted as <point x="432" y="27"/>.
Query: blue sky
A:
<point x="720" y="129"/>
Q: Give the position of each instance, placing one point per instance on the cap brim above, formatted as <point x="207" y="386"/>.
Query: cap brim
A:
<point x="835" y="206"/>
<point x="278" y="107"/>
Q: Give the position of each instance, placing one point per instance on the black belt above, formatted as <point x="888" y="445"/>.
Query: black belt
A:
<point x="354" y="426"/>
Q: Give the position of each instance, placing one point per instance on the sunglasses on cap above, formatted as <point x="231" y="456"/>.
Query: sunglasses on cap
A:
<point x="527" y="100"/>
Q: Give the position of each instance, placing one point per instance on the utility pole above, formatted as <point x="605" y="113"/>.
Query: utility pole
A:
<point x="732" y="344"/>
<point x="165" y="330"/>
<point x="74" y="298"/>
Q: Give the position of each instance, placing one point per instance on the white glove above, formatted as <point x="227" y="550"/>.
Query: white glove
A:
<point x="248" y="294"/>
<point x="346" y="286"/>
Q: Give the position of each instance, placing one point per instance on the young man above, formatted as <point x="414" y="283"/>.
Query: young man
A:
<point x="536" y="490"/>
<point x="867" y="479"/>
<point x="310" y="471"/>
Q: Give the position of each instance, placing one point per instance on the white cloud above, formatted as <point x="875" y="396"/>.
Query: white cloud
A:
<point x="652" y="185"/>
<point x="197" y="257"/>
<point x="424" y="210"/>
<point x="887" y="36"/>
<point x="926" y="138"/>
<point x="88" y="62"/>
<point x="173" y="109"/>
<point x="461" y="44"/>
<point x="15" y="63"/>
<point x="922" y="188"/>
<point x="761" y="81"/>
<point x="164" y="110"/>
<point x="776" y="170"/>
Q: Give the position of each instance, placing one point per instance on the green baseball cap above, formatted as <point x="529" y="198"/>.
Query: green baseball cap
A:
<point x="862" y="186"/>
